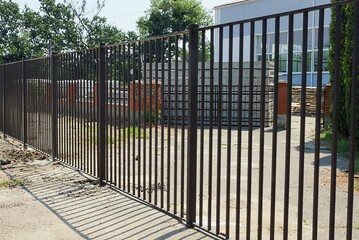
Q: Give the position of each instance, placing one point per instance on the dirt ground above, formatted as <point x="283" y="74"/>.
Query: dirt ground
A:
<point x="45" y="200"/>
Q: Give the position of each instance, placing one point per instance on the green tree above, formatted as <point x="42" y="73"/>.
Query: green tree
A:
<point x="99" y="31"/>
<point x="59" y="26"/>
<point x="27" y="33"/>
<point x="10" y="35"/>
<point x="166" y="16"/>
<point x="32" y="25"/>
<point x="345" y="68"/>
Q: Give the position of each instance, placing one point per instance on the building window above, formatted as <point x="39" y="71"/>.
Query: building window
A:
<point x="325" y="60"/>
<point x="283" y="49"/>
<point x="297" y="50"/>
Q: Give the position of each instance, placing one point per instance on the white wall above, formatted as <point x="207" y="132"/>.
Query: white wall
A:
<point x="258" y="8"/>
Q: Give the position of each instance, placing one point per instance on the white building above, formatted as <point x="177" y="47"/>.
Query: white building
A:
<point x="248" y="9"/>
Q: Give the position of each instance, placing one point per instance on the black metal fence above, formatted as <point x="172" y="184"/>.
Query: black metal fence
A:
<point x="102" y="111"/>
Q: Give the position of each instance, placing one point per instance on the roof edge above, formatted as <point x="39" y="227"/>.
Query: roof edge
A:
<point x="232" y="3"/>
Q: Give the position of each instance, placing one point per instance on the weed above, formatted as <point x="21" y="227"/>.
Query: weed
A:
<point x="151" y="116"/>
<point x="11" y="183"/>
<point x="109" y="140"/>
<point x="343" y="145"/>
<point x="135" y="132"/>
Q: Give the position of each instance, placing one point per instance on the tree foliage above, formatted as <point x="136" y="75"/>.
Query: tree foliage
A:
<point x="11" y="35"/>
<point x="345" y="66"/>
<point x="166" y="16"/>
<point x="27" y="33"/>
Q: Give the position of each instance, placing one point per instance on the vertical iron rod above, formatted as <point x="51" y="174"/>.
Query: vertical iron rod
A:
<point x="229" y="129"/>
<point x="219" y="131"/>
<point x="150" y="119"/>
<point x="203" y="70"/>
<point x="54" y="107"/>
<point x="4" y="102"/>
<point x="183" y="133"/>
<point x="335" y="109"/>
<point x="318" y="125"/>
<point x="176" y="128"/>
<point x="162" y="147"/>
<point x="288" y="128"/>
<point x="129" y="118"/>
<point x="192" y="124"/>
<point x="157" y="59"/>
<point x="250" y="131"/>
<point x="24" y="98"/>
<point x="169" y="93"/>
<point x="275" y="128"/>
<point x="210" y="144"/>
<point x="133" y="143"/>
<point x="239" y="132"/>
<point x="261" y="134"/>
<point x="139" y="156"/>
<point x="302" y="126"/>
<point x="353" y="123"/>
<point x="102" y="114"/>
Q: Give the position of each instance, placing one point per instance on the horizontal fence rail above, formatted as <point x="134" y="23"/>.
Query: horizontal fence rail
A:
<point x="201" y="124"/>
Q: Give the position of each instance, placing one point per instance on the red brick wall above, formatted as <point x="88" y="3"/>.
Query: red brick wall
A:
<point x="148" y="87"/>
<point x="72" y="92"/>
<point x="282" y="97"/>
<point x="327" y="99"/>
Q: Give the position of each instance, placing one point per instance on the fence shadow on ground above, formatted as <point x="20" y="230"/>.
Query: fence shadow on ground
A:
<point x="99" y="212"/>
<point x="325" y="156"/>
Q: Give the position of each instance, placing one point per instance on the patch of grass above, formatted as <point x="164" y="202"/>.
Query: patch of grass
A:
<point x="343" y="146"/>
<point x="151" y="116"/>
<point x="5" y="184"/>
<point x="11" y="183"/>
<point x="109" y="140"/>
<point x="356" y="227"/>
<point x="136" y="132"/>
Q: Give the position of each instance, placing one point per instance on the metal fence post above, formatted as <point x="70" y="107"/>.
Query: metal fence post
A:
<point x="192" y="124"/>
<point x="24" y="103"/>
<point x="101" y="158"/>
<point x="3" y="104"/>
<point x="54" y="107"/>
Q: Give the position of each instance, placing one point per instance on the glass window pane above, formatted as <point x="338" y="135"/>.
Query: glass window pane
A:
<point x="259" y="44"/>
<point x="325" y="38"/>
<point x="283" y="47"/>
<point x="283" y="62"/>
<point x="297" y="40"/>
<point x="297" y="62"/>
<point x="309" y="39"/>
<point x="309" y="61"/>
<point x="325" y="60"/>
<point x="270" y="43"/>
<point x="269" y="57"/>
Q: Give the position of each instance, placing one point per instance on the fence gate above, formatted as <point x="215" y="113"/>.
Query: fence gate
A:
<point x="193" y="123"/>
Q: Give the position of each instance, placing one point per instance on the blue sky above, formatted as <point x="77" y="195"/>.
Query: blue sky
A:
<point x="122" y="14"/>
